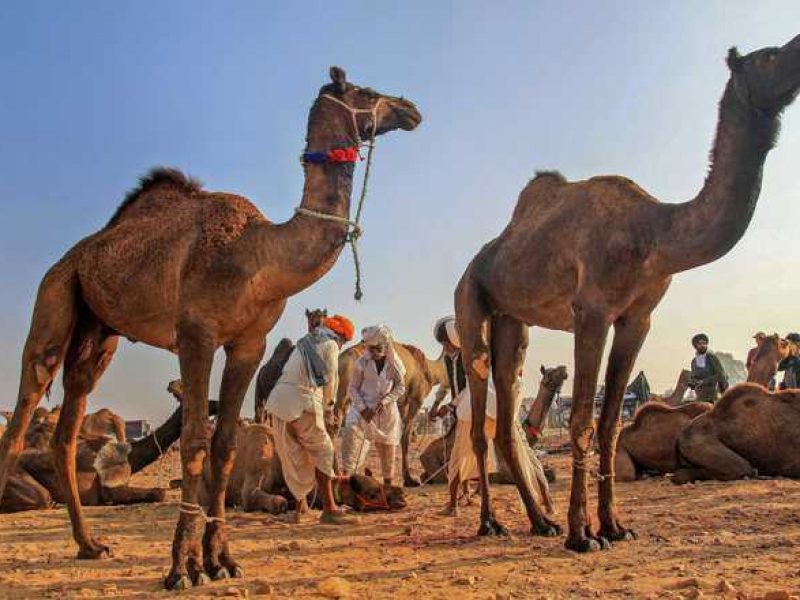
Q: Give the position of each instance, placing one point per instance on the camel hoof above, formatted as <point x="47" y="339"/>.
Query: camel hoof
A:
<point x="236" y="572"/>
<point x="177" y="583"/>
<point x="94" y="552"/>
<point x="584" y="545"/>
<point x="620" y="535"/>
<point x="546" y="530"/>
<point x="201" y="579"/>
<point x="220" y="574"/>
<point x="604" y="543"/>
<point x="492" y="528"/>
<point x="411" y="482"/>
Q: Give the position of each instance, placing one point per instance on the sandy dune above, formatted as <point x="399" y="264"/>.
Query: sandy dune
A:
<point x="708" y="540"/>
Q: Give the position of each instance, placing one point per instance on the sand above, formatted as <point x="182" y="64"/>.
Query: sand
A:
<point x="715" y="540"/>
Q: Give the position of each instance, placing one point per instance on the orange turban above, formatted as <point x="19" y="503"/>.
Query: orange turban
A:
<point x="341" y="326"/>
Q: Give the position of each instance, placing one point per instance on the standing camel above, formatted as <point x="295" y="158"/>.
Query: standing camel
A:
<point x="583" y="256"/>
<point x="191" y="271"/>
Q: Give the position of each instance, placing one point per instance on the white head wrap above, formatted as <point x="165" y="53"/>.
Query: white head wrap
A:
<point x="449" y="323"/>
<point x="381" y="334"/>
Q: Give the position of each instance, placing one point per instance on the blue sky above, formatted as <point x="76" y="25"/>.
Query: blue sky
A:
<point x="95" y="92"/>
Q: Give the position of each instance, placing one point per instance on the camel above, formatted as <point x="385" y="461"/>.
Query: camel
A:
<point x="765" y="364"/>
<point x="190" y="271"/>
<point x="256" y="482"/>
<point x="315" y="317"/>
<point x="550" y="386"/>
<point x="585" y="256"/>
<point x="649" y="443"/>
<point x="750" y="431"/>
<point x="104" y="467"/>
<point x="422" y="375"/>
<point x="40" y="431"/>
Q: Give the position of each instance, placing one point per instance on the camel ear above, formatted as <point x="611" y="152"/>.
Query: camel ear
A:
<point x="541" y="369"/>
<point x="734" y="60"/>
<point x="339" y="78"/>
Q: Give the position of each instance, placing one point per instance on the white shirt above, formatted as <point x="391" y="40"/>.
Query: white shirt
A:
<point x="295" y="394"/>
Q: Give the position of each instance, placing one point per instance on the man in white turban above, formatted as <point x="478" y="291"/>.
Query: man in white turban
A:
<point x="376" y="385"/>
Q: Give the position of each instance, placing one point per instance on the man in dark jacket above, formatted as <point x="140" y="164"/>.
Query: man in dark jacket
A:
<point x="791" y="364"/>
<point x="708" y="377"/>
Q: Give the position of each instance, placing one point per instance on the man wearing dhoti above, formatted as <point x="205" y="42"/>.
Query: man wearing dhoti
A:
<point x="297" y="410"/>
<point x="377" y="383"/>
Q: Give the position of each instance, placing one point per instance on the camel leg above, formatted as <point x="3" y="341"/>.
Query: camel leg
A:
<point x="132" y="495"/>
<point x="241" y="363"/>
<point x="53" y="319"/>
<point x="471" y="317"/>
<point x="196" y="355"/>
<point x="624" y="467"/>
<point x="411" y="409"/>
<point x="709" y="458"/>
<point x="630" y="331"/>
<point x="509" y="343"/>
<point x="591" y="330"/>
<point x="23" y="492"/>
<point x="89" y="353"/>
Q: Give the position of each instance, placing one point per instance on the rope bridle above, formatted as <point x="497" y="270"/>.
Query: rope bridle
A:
<point x="354" y="228"/>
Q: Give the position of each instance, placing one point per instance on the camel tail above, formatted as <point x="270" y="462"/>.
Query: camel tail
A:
<point x="54" y="316"/>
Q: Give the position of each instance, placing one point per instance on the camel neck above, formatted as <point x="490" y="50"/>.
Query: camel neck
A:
<point x="293" y="255"/>
<point x="541" y="406"/>
<point x="707" y="227"/>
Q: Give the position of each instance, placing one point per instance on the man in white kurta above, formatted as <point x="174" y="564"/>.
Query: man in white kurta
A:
<point x="297" y="409"/>
<point x="376" y="385"/>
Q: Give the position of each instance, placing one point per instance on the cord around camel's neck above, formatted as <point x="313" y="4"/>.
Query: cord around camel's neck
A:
<point x="293" y="255"/>
<point x="707" y="227"/>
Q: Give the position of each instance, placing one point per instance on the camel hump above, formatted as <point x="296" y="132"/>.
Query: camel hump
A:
<point x="549" y="177"/>
<point x="158" y="177"/>
<point x="269" y="374"/>
<point x="419" y="356"/>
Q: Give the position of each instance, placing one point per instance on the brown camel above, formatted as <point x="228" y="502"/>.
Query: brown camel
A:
<point x="104" y="467"/>
<point x="40" y="431"/>
<point x="749" y="431"/>
<point x="550" y="386"/>
<point x="765" y="363"/>
<point x="191" y="271"/>
<point x="584" y="256"/>
<point x="650" y="442"/>
<point x="256" y="482"/>
<point x="422" y="375"/>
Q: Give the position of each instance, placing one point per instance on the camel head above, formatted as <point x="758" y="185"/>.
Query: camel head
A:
<point x="770" y="351"/>
<point x="767" y="80"/>
<point x="366" y="494"/>
<point x="315" y="317"/>
<point x="340" y="104"/>
<point x="554" y="377"/>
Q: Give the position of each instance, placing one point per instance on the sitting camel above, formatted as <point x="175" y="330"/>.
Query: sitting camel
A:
<point x="749" y="431"/>
<point x="256" y="482"/>
<point x="104" y="467"/>
<point x="649" y="443"/>
<point x="765" y="363"/>
<point x="40" y="431"/>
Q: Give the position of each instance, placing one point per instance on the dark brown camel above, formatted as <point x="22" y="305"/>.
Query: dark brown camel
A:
<point x="750" y="431"/>
<point x="765" y="363"/>
<point x="192" y="271"/>
<point x="585" y="256"/>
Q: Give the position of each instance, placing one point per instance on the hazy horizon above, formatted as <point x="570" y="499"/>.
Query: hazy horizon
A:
<point x="96" y="93"/>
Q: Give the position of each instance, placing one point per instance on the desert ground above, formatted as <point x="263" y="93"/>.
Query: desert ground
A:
<point x="713" y="540"/>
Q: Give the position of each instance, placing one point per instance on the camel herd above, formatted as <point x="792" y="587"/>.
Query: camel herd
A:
<point x="191" y="271"/>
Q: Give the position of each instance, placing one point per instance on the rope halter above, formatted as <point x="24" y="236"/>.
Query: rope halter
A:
<point x="354" y="228"/>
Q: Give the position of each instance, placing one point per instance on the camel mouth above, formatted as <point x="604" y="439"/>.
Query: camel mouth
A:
<point x="408" y="115"/>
